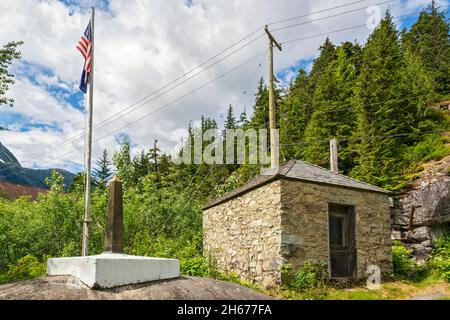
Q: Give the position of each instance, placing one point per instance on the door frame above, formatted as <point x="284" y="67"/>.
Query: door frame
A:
<point x="352" y="239"/>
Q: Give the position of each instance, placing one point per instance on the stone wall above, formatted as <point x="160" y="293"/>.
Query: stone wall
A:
<point x="305" y="224"/>
<point x="243" y="235"/>
<point x="286" y="221"/>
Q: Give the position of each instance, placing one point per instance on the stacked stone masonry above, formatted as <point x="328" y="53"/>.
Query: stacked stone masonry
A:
<point x="286" y="221"/>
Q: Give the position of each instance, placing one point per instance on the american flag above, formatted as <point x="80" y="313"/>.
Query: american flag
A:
<point x="84" y="46"/>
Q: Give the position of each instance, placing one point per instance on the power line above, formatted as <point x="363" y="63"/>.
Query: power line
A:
<point x="325" y="111"/>
<point x="350" y="105"/>
<point x="136" y="105"/>
<point x="331" y="16"/>
<point x="315" y="12"/>
<point x="348" y="28"/>
<point x="164" y="106"/>
<point x="56" y="147"/>
<point x="357" y="138"/>
<point x="109" y="120"/>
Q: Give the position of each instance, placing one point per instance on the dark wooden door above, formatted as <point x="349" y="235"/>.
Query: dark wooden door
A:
<point x="341" y="228"/>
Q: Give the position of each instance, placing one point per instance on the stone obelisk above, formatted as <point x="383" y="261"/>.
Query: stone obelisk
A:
<point x="114" y="223"/>
<point x="113" y="268"/>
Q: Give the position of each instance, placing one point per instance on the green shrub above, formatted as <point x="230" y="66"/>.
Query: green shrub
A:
<point x="431" y="148"/>
<point x="312" y="274"/>
<point x="402" y="260"/>
<point x="195" y="266"/>
<point x="27" y="267"/>
<point x="287" y="276"/>
<point x="440" y="260"/>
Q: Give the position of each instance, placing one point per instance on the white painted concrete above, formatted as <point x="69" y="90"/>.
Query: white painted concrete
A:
<point x="108" y="270"/>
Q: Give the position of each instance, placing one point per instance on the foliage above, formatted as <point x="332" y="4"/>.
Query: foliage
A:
<point x="312" y="274"/>
<point x="8" y="53"/>
<point x="440" y="260"/>
<point x="375" y="98"/>
<point x="27" y="267"/>
<point x="402" y="259"/>
<point x="428" y="38"/>
<point x="103" y="173"/>
<point x="431" y="148"/>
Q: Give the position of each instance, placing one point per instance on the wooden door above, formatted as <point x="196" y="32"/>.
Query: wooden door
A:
<point x="341" y="228"/>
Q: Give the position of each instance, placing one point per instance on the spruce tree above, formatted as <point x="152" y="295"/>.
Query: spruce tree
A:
<point x="230" y="121"/>
<point x="381" y="112"/>
<point x="429" y="39"/>
<point x="260" y="116"/>
<point x="243" y="121"/>
<point x="141" y="165"/>
<point x="295" y="112"/>
<point x="103" y="172"/>
<point x="333" y="115"/>
<point x="326" y="56"/>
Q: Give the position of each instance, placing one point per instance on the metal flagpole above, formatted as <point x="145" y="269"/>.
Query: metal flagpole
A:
<point x="87" y="218"/>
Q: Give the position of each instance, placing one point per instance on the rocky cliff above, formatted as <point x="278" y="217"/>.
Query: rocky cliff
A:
<point x="423" y="213"/>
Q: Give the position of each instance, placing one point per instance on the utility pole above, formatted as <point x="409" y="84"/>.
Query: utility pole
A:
<point x="333" y="156"/>
<point x="274" y="145"/>
<point x="87" y="210"/>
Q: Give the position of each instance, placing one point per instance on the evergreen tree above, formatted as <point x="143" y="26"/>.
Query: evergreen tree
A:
<point x="326" y="56"/>
<point x="429" y="39"/>
<point x="230" y="121"/>
<point x="295" y="112"/>
<point x="243" y="121"/>
<point x="141" y="165"/>
<point x="382" y="113"/>
<point x="260" y="117"/>
<point x="333" y="116"/>
<point x="103" y="172"/>
<point x="154" y="158"/>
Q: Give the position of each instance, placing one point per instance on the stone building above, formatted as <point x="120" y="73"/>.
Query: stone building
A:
<point x="295" y="213"/>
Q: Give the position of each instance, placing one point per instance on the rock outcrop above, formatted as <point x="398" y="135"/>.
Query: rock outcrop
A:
<point x="182" y="288"/>
<point x="423" y="213"/>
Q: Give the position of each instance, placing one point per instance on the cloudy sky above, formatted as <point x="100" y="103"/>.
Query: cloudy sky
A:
<point x="143" y="50"/>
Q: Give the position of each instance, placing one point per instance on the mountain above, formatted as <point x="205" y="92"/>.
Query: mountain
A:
<point x="11" y="171"/>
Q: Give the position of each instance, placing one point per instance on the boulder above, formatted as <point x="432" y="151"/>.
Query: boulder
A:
<point x="182" y="288"/>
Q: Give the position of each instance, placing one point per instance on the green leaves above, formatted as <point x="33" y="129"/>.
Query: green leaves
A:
<point x="7" y="55"/>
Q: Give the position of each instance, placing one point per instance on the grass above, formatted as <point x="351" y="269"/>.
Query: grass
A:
<point x="398" y="289"/>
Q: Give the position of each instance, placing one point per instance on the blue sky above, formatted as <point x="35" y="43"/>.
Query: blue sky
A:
<point x="142" y="46"/>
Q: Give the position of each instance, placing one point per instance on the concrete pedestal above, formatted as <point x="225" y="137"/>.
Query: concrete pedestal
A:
<point x="108" y="270"/>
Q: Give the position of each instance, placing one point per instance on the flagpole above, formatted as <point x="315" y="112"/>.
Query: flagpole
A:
<point x="87" y="218"/>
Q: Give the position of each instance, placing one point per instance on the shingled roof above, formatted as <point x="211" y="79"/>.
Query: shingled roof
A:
<point x="298" y="170"/>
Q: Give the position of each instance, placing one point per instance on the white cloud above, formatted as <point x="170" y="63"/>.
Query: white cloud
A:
<point x="142" y="45"/>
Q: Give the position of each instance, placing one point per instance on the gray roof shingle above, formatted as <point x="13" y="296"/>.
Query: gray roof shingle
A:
<point x="299" y="170"/>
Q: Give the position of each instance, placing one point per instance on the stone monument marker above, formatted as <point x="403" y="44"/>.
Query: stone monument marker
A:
<point x="113" y="268"/>
<point x="114" y="224"/>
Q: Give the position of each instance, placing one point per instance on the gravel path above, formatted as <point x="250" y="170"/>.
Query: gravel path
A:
<point x="432" y="293"/>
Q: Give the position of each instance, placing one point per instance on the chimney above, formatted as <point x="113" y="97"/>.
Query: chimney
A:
<point x="333" y="156"/>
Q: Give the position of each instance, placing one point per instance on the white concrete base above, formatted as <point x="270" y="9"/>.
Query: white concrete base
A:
<point x="108" y="270"/>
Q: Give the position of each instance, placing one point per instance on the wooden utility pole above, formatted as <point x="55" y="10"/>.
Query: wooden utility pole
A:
<point x="333" y="156"/>
<point x="87" y="209"/>
<point x="274" y="146"/>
